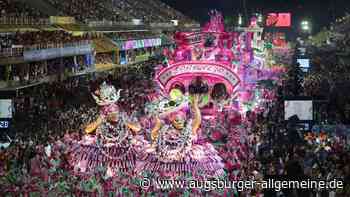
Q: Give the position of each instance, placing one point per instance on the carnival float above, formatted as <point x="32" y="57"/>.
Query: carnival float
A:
<point x="207" y="89"/>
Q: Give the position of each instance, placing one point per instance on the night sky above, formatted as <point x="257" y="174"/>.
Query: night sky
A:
<point x="320" y="12"/>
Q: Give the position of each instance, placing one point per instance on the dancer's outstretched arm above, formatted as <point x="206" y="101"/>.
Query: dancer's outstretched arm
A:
<point x="197" y="114"/>
<point x="93" y="126"/>
<point x="155" y="130"/>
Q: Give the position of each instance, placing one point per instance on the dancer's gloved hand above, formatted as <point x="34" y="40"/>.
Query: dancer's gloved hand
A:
<point x="134" y="127"/>
<point x="155" y="130"/>
<point x="93" y="126"/>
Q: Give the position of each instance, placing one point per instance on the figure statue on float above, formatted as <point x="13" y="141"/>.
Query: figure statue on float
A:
<point x="109" y="141"/>
<point x="175" y="150"/>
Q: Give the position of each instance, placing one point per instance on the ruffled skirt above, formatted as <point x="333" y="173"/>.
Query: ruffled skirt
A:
<point x="202" y="160"/>
<point x="86" y="156"/>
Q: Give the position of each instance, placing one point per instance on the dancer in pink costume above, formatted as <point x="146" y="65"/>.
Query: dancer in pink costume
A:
<point x="109" y="141"/>
<point x="175" y="151"/>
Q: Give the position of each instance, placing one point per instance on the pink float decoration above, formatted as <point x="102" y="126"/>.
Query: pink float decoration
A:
<point x="206" y="53"/>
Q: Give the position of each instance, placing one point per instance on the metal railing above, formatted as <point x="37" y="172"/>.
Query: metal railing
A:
<point x="106" y="23"/>
<point x="25" y="20"/>
<point x="18" y="51"/>
<point x="56" y="45"/>
<point x="11" y="52"/>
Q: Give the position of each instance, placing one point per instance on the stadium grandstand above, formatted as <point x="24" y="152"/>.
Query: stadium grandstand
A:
<point x="122" y="97"/>
<point x="63" y="38"/>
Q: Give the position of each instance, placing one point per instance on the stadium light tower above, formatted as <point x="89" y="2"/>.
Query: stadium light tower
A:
<point x="260" y="18"/>
<point x="306" y="26"/>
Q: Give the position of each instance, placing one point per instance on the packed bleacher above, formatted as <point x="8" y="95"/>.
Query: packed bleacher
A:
<point x="84" y="9"/>
<point x="13" y="44"/>
<point x="117" y="10"/>
<point x="18" y="12"/>
<point x="12" y="8"/>
<point x="14" y="12"/>
<point x="170" y="12"/>
<point x="32" y="72"/>
<point x="41" y="39"/>
<point x="137" y="10"/>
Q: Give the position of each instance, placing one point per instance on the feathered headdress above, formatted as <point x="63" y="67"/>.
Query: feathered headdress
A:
<point x="106" y="95"/>
<point x="166" y="106"/>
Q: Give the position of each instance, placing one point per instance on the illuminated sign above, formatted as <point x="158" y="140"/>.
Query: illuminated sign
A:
<point x="305" y="63"/>
<point x="4" y="124"/>
<point x="5" y="108"/>
<point x="278" y="20"/>
<point x="279" y="39"/>
<point x="302" y="108"/>
<point x="37" y="55"/>
<point x="137" y="44"/>
<point x="198" y="68"/>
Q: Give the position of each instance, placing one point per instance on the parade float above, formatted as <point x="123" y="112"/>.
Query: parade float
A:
<point x="234" y="66"/>
<point x="205" y="89"/>
<point x="194" y="128"/>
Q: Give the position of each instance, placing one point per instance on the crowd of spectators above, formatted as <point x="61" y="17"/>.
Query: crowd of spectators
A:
<point x="52" y="109"/>
<point x="117" y="10"/>
<point x="40" y="71"/>
<point x="170" y="12"/>
<point x="289" y="152"/>
<point x="104" y="58"/>
<point x="137" y="55"/>
<point x="18" y="12"/>
<point x="13" y="44"/>
<point x="32" y="72"/>
<point x="42" y="39"/>
<point x="138" y="10"/>
<point x="329" y="71"/>
<point x="11" y="8"/>
<point x="84" y="9"/>
<point x="25" y="73"/>
<point x="285" y="150"/>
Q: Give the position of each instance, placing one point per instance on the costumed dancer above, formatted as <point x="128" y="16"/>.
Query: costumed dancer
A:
<point x="175" y="151"/>
<point x="109" y="141"/>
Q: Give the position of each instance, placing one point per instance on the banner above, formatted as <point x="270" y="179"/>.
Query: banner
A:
<point x="136" y="44"/>
<point x="209" y="69"/>
<point x="36" y="55"/>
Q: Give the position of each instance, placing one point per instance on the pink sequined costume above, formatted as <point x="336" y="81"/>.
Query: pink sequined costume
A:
<point x="112" y="145"/>
<point x="176" y="152"/>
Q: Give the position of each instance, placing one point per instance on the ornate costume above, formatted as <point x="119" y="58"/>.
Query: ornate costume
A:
<point x="110" y="140"/>
<point x="175" y="150"/>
